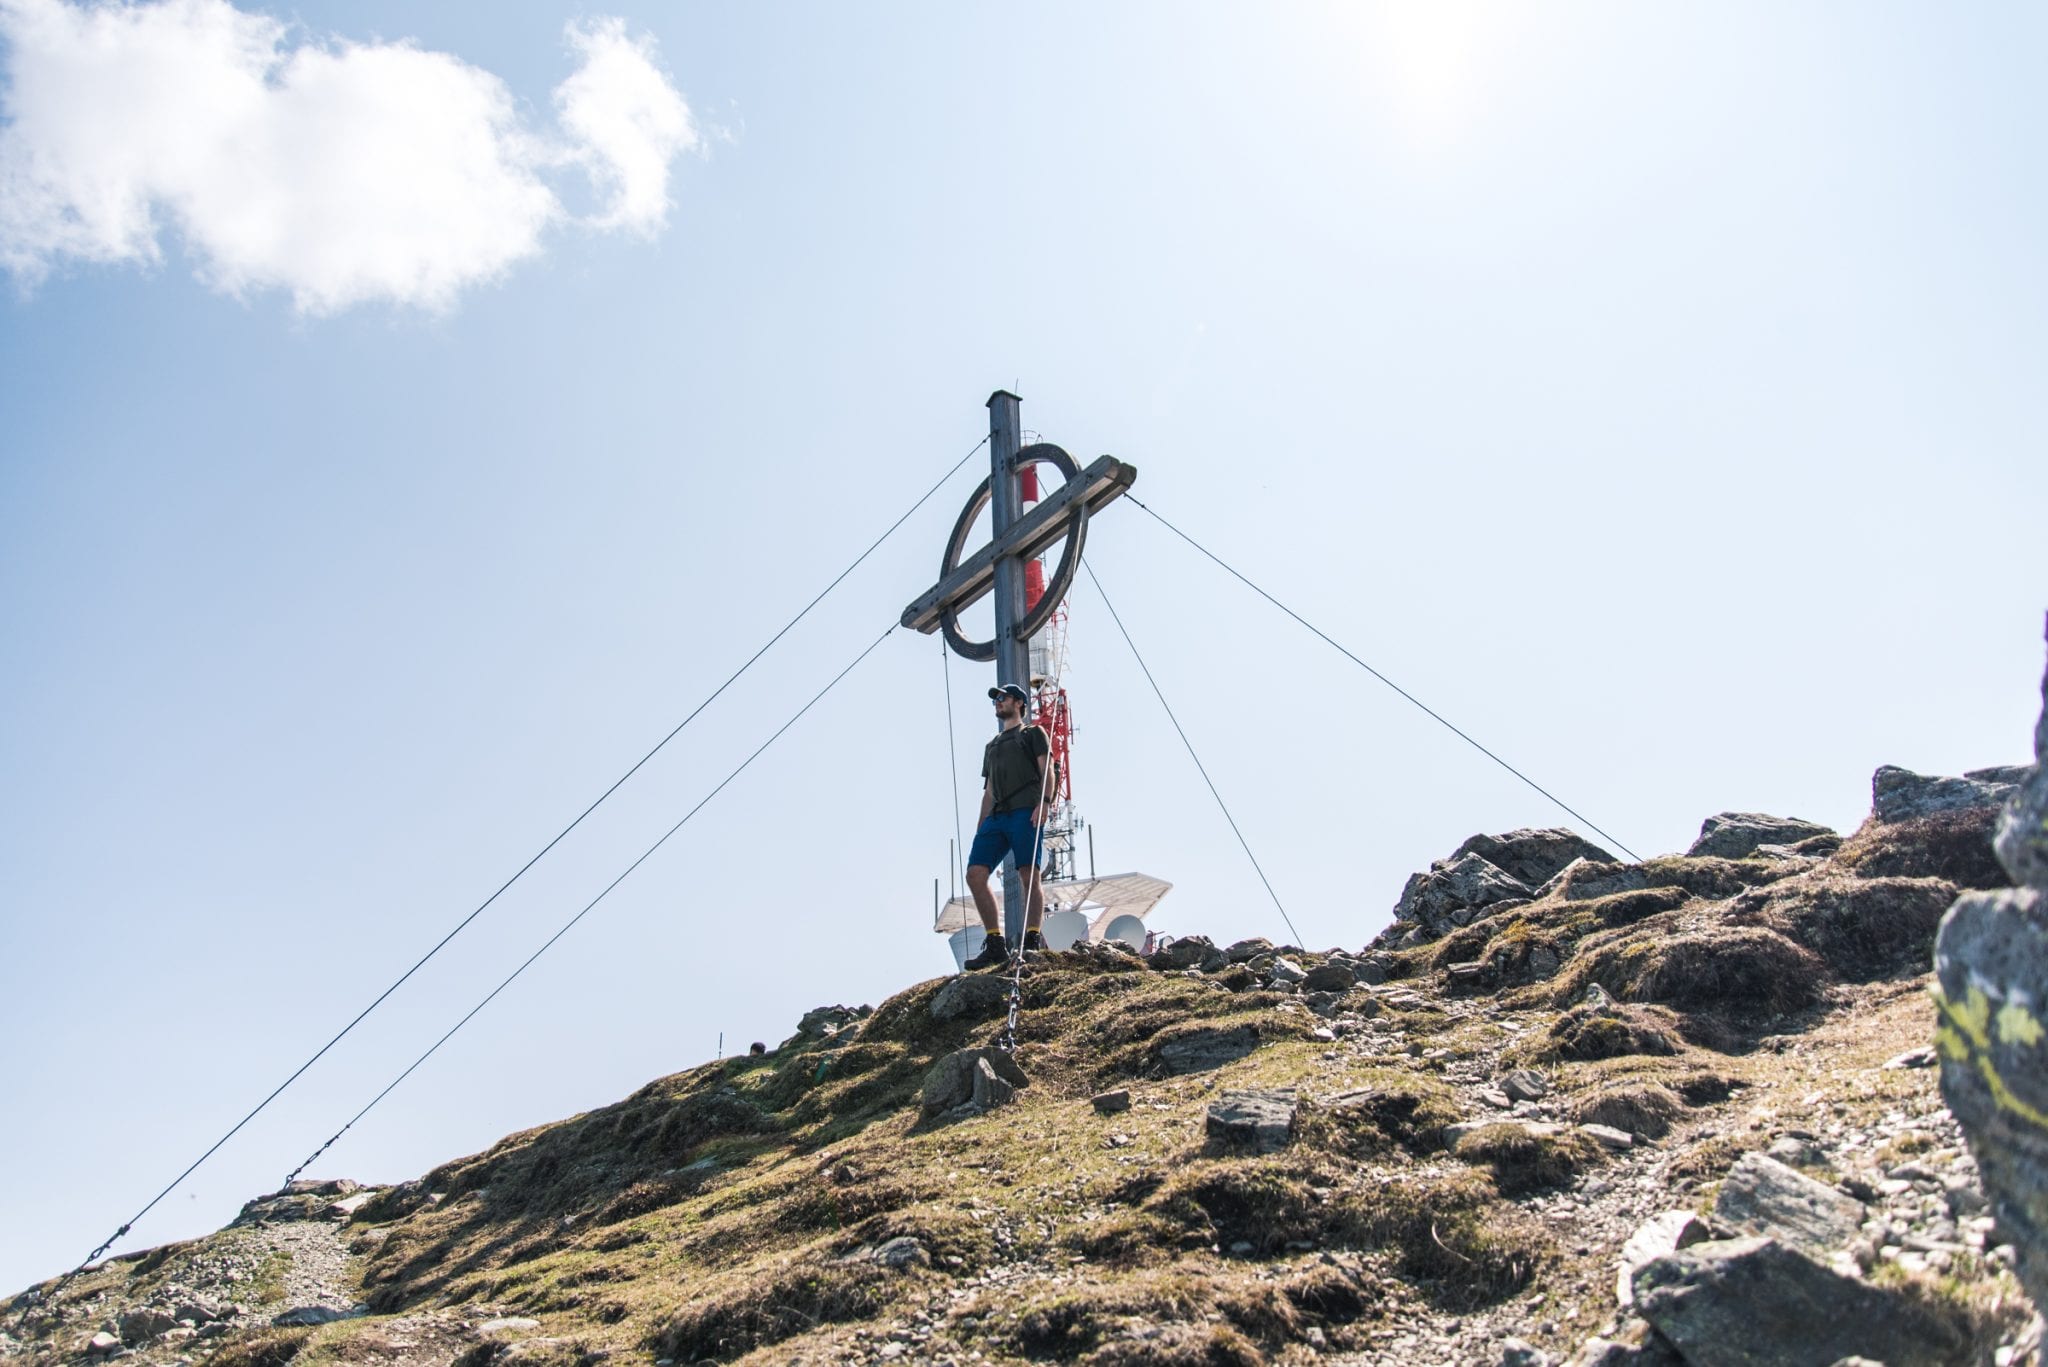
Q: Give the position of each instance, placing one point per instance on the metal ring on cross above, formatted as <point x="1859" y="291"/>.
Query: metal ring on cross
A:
<point x="1062" y="576"/>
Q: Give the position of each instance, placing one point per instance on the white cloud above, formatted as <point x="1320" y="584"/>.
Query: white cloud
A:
<point x="627" y="120"/>
<point x="340" y="172"/>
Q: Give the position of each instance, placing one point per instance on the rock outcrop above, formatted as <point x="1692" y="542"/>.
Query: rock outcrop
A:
<point x="1736" y="835"/>
<point x="1901" y="795"/>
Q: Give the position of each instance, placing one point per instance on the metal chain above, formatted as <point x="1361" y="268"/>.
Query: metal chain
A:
<point x="40" y="1298"/>
<point x="1008" y="1042"/>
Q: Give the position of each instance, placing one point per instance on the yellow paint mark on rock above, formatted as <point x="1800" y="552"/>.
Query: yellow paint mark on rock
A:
<point x="1963" y="1037"/>
<point x="2017" y="1025"/>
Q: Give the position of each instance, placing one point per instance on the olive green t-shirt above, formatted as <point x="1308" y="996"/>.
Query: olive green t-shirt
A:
<point x="1010" y="764"/>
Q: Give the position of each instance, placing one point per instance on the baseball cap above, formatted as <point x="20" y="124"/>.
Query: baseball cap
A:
<point x="1012" y="690"/>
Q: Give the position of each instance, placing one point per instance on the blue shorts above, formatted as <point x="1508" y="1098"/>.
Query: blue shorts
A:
<point x="1003" y="833"/>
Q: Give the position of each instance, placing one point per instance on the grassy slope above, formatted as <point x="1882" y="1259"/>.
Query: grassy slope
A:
<point x="721" y="1213"/>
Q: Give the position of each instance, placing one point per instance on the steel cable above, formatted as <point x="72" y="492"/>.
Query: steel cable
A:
<point x="463" y="924"/>
<point x="1433" y="713"/>
<point x="571" y="922"/>
<point x="1199" y="766"/>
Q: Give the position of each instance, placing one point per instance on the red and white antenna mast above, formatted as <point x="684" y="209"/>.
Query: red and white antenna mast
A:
<point x="1050" y="708"/>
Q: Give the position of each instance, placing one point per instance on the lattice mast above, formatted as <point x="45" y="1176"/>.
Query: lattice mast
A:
<point x="1050" y="708"/>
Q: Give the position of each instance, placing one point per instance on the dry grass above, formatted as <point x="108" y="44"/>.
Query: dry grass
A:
<point x="1716" y="967"/>
<point x="1641" y="1108"/>
<point x="1523" y="1161"/>
<point x="1955" y="846"/>
<point x="1587" y="1033"/>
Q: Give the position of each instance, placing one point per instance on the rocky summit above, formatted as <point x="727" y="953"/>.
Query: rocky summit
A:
<point x="1566" y="1108"/>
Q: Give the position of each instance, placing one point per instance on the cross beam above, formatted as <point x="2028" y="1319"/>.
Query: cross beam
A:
<point x="1027" y="538"/>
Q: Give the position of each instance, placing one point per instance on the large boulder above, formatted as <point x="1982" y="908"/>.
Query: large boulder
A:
<point x="1991" y="960"/>
<point x="1901" y="795"/>
<point x="1991" y="963"/>
<point x="1451" y="891"/>
<point x="1533" y="857"/>
<point x="1736" y="835"/>
<point x="1760" y="1303"/>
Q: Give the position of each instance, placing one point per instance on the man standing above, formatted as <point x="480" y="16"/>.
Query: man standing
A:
<point x="1017" y="783"/>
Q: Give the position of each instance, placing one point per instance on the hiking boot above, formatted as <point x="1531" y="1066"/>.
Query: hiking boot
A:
<point x="994" y="954"/>
<point x="1034" y="943"/>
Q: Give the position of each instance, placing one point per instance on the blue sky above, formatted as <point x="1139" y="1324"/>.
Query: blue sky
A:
<point x="1655" y="391"/>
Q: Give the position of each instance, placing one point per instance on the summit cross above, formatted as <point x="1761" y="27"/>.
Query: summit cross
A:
<point x="1016" y="535"/>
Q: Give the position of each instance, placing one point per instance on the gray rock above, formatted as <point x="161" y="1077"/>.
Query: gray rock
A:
<point x="197" y="1311"/>
<point x="140" y="1326"/>
<point x="346" y="1208"/>
<point x="1922" y="1057"/>
<point x="990" y="1090"/>
<point x="1288" y="971"/>
<point x="973" y="995"/>
<point x="1607" y="1137"/>
<point x="308" y="1315"/>
<point x="1791" y="1150"/>
<point x="1763" y="1196"/>
<point x="1465" y="916"/>
<point x="902" y="1252"/>
<point x="507" y="1324"/>
<point x="1472" y="882"/>
<point x="1534" y="1129"/>
<point x="1525" y="1084"/>
<point x="1532" y="857"/>
<point x="1584" y="879"/>
<point x="1260" y="1119"/>
<point x="950" y="1082"/>
<point x="1991" y="967"/>
<point x="1663" y="1233"/>
<point x="1759" y="1303"/>
<point x="1652" y="1351"/>
<point x="823" y="1022"/>
<point x="2022" y="839"/>
<point x="1372" y="969"/>
<point x="1543" y="962"/>
<point x="1113" y="1103"/>
<point x="1241" y="951"/>
<point x="1200" y="1050"/>
<point x="1736" y="835"/>
<point x="1187" y="951"/>
<point x="1329" y="977"/>
<point x="1991" y="962"/>
<point x="102" y="1345"/>
<point x="2015" y="774"/>
<point x="1516" y="1353"/>
<point x="1901" y="795"/>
